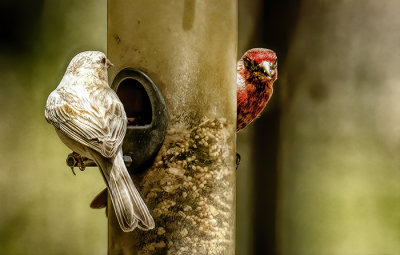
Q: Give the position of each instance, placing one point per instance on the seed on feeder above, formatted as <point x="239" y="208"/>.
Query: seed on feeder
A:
<point x="160" y="244"/>
<point x="199" y="181"/>
<point x="161" y="231"/>
<point x="184" y="232"/>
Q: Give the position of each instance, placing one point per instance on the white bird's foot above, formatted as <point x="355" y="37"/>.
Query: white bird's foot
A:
<point x="77" y="161"/>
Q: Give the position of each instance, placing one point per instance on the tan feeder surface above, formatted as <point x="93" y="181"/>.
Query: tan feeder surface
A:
<point x="188" y="48"/>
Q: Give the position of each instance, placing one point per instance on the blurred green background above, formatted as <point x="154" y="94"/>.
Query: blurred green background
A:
<point x="319" y="171"/>
<point x="44" y="207"/>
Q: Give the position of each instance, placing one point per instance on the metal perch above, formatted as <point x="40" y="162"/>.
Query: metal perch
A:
<point x="72" y="162"/>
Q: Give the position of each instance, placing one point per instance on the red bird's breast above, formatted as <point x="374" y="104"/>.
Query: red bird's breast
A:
<point x="250" y="103"/>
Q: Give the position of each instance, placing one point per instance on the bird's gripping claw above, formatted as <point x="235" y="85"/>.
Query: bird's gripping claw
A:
<point x="74" y="159"/>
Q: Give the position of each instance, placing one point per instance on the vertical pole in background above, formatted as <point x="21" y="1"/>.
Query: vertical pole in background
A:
<point x="339" y="189"/>
<point x="188" y="48"/>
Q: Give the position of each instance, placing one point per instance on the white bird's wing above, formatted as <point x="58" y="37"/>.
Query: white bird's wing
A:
<point x="96" y="119"/>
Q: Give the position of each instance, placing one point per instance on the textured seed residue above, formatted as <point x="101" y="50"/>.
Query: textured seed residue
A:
<point x="190" y="192"/>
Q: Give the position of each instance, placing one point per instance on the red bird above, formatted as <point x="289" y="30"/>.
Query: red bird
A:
<point x="256" y="73"/>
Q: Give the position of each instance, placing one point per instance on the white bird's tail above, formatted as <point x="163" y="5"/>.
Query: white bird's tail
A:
<point x="129" y="207"/>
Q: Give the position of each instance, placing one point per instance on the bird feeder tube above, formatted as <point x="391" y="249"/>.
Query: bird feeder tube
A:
<point x="188" y="49"/>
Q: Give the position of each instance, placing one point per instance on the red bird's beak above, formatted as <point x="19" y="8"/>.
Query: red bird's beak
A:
<point x="270" y="68"/>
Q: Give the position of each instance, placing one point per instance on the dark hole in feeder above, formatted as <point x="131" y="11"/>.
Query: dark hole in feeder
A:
<point x="136" y="102"/>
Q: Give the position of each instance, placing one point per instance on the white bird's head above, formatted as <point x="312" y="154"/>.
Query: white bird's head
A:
<point x="89" y="63"/>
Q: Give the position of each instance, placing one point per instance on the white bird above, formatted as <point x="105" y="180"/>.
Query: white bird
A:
<point x="90" y="119"/>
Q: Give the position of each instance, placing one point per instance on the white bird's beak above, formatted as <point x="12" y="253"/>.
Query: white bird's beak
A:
<point x="108" y="63"/>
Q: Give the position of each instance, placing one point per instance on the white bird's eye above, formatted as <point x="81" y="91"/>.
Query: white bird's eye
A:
<point x="103" y="60"/>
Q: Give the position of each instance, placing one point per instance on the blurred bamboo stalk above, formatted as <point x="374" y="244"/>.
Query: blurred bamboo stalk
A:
<point x="339" y="178"/>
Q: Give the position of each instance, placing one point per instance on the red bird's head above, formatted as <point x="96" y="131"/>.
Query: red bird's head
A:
<point x="256" y="73"/>
<point x="259" y="66"/>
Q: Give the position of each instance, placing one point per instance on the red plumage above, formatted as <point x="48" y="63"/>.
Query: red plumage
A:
<point x="256" y="73"/>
